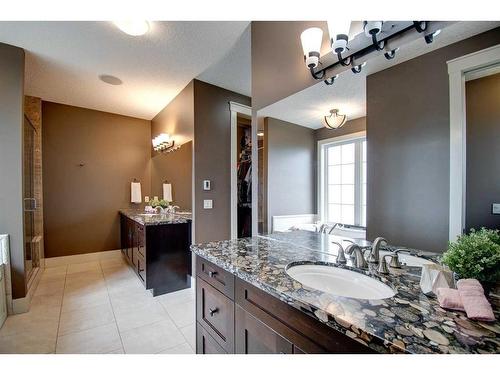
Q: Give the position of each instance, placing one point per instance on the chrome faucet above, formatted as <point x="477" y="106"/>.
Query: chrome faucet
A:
<point x="340" y="255"/>
<point x="356" y="256"/>
<point x="375" y="252"/>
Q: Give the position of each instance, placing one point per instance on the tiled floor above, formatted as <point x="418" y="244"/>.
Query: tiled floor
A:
<point x="100" y="307"/>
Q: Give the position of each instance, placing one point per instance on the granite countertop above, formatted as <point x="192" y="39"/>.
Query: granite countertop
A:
<point x="144" y="218"/>
<point x="409" y="322"/>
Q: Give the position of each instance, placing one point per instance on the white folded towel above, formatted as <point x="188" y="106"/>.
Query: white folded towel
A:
<point x="167" y="192"/>
<point x="136" y="195"/>
<point x="4" y="249"/>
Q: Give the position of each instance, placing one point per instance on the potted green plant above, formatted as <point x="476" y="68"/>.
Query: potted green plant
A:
<point x="476" y="255"/>
<point x="162" y="203"/>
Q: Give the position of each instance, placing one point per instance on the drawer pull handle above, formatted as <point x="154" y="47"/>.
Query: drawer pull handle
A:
<point x="212" y="273"/>
<point x="212" y="312"/>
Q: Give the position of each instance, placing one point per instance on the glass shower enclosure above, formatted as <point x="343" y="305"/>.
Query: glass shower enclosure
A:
<point x="31" y="248"/>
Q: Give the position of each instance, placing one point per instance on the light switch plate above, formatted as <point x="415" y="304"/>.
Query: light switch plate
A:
<point x="495" y="208"/>
<point x="206" y="185"/>
<point x="208" y="204"/>
<point x="146" y="199"/>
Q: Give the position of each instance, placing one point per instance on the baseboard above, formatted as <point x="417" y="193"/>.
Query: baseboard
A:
<point x="81" y="258"/>
<point x="22" y="305"/>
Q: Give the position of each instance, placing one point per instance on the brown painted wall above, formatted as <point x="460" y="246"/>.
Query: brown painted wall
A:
<point x="291" y="169"/>
<point x="81" y="203"/>
<point x="483" y="151"/>
<point x="277" y="68"/>
<point x="177" y="118"/>
<point x="177" y="168"/>
<point x="408" y="147"/>
<point x="11" y="159"/>
<point x="212" y="157"/>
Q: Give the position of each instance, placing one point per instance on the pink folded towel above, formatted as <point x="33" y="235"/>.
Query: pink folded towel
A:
<point x="449" y="299"/>
<point x="475" y="303"/>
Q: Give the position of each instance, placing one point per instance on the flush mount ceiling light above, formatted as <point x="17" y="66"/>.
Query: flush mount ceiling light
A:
<point x="133" y="27"/>
<point x="334" y="120"/>
<point x="110" y="80"/>
<point x="378" y="32"/>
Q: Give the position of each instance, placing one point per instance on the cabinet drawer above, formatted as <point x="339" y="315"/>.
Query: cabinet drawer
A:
<point x="254" y="337"/>
<point x="293" y="324"/>
<point x="215" y="313"/>
<point x="205" y="344"/>
<point x="221" y="280"/>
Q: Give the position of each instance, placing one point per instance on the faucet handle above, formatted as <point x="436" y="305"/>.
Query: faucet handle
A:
<point x="340" y="255"/>
<point x="382" y="267"/>
<point x="394" y="262"/>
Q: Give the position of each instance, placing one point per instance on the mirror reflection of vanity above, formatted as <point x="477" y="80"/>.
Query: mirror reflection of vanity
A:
<point x="383" y="172"/>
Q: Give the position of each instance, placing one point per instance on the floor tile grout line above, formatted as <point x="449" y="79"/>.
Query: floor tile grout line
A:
<point x="112" y="308"/>
<point x="60" y="310"/>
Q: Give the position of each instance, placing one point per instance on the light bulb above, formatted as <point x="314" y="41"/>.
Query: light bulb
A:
<point x="311" y="44"/>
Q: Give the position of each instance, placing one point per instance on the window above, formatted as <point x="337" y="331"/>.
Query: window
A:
<point x="342" y="180"/>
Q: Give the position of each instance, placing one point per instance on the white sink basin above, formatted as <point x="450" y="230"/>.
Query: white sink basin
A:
<point x="409" y="260"/>
<point x="339" y="281"/>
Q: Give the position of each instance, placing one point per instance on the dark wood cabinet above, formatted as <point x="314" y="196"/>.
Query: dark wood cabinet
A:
<point x="237" y="317"/>
<point x="158" y="254"/>
<point x="254" y="337"/>
<point x="205" y="344"/>
<point x="215" y="312"/>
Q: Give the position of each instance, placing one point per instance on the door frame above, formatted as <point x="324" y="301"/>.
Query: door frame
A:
<point x="236" y="108"/>
<point x="458" y="70"/>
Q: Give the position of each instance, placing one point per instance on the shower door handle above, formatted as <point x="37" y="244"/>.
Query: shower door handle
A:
<point x="33" y="205"/>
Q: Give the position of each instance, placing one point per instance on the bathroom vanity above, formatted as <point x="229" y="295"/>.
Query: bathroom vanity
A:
<point x="246" y="302"/>
<point x="156" y="246"/>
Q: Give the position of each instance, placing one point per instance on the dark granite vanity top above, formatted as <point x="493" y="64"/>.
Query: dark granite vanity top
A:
<point x="144" y="218"/>
<point x="409" y="322"/>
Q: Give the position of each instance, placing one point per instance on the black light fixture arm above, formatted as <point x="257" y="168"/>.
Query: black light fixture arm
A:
<point x="317" y="75"/>
<point x="356" y="69"/>
<point x="389" y="55"/>
<point x="344" y="61"/>
<point x="379" y="45"/>
<point x="330" y="81"/>
<point x="420" y="26"/>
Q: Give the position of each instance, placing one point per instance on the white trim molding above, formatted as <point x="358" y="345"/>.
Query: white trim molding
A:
<point x="458" y="70"/>
<point x="236" y="108"/>
<point x="321" y="183"/>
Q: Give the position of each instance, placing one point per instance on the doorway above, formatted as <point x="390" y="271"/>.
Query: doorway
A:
<point x="482" y="95"/>
<point x="241" y="170"/>
<point x="459" y="70"/>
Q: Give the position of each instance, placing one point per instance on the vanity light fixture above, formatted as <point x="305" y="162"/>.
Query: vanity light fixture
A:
<point x="133" y="27"/>
<point x="163" y="143"/>
<point x="429" y="38"/>
<point x="260" y="134"/>
<point x="380" y="32"/>
<point x="311" y="44"/>
<point x="334" y="120"/>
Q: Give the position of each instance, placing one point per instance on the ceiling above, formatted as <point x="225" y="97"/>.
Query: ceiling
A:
<point x="348" y="93"/>
<point x="234" y="70"/>
<point x="64" y="60"/>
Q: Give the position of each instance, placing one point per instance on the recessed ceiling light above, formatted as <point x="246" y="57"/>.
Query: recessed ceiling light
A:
<point x="133" y="27"/>
<point x="109" y="79"/>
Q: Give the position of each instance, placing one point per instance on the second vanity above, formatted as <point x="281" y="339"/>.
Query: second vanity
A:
<point x="247" y="302"/>
<point x="156" y="246"/>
